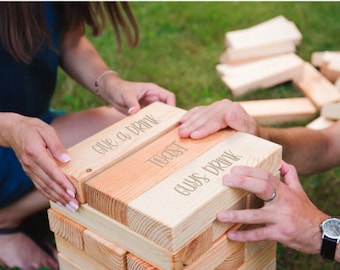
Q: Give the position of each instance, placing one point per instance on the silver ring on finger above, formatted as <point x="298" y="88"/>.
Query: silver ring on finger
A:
<point x="271" y="197"/>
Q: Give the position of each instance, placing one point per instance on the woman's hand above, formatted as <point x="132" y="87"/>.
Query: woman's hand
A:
<point x="38" y="149"/>
<point x="290" y="218"/>
<point x="129" y="97"/>
<point x="202" y="121"/>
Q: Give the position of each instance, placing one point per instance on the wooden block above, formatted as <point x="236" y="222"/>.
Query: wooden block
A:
<point x="264" y="73"/>
<point x="104" y="251"/>
<point x="320" y="57"/>
<point x="111" y="191"/>
<point x="94" y="245"/>
<point x="262" y="260"/>
<point x="112" y="144"/>
<point x="337" y="84"/>
<point x="135" y="263"/>
<point x="233" y="261"/>
<point x="277" y="29"/>
<point x="183" y="200"/>
<point x="331" y="111"/>
<point x="77" y="256"/>
<point x="223" y="251"/>
<point x="316" y="87"/>
<point x="66" y="264"/>
<point x="127" y="239"/>
<point x="241" y="55"/>
<point x="331" y="70"/>
<point x="252" y="249"/>
<point x="278" y="111"/>
<point x="66" y="228"/>
<point x="320" y="123"/>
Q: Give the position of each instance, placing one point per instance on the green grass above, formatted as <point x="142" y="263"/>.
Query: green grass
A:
<point x="179" y="49"/>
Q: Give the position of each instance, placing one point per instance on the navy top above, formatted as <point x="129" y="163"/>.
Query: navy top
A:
<point x="28" y="88"/>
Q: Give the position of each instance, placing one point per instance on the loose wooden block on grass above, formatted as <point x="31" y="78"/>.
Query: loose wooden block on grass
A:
<point x="320" y="123"/>
<point x="112" y="144"/>
<point x="247" y="54"/>
<point x="264" y="73"/>
<point x="283" y="110"/>
<point x="331" y="70"/>
<point x="316" y="87"/>
<point x="331" y="111"/>
<point x="320" y="57"/>
<point x="277" y="29"/>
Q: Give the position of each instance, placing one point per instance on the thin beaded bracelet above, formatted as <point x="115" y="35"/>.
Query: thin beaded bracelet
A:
<point x="96" y="83"/>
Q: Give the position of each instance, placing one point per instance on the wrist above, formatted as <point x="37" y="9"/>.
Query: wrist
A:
<point x="100" y="84"/>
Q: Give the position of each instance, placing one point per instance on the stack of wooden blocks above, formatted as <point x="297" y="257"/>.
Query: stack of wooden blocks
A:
<point x="264" y="56"/>
<point x="149" y="198"/>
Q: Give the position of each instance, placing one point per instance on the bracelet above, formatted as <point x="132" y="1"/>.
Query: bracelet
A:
<point x="96" y="83"/>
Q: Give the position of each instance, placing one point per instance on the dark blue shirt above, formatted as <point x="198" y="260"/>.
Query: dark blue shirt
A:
<point x="28" y="88"/>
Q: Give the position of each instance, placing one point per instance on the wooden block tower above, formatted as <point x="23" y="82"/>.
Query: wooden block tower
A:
<point x="149" y="198"/>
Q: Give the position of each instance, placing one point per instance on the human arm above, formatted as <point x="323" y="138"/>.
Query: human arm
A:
<point x="310" y="151"/>
<point x="290" y="218"/>
<point x="34" y="142"/>
<point x="81" y="61"/>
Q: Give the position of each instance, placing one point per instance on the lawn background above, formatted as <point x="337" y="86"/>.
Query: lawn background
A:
<point x="180" y="43"/>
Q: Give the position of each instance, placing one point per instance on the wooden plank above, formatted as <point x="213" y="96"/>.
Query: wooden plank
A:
<point x="241" y="55"/>
<point x="252" y="249"/>
<point x="66" y="228"/>
<point x="331" y="70"/>
<point x="277" y="29"/>
<point x="316" y="87"/>
<point x="184" y="200"/>
<point x="135" y="263"/>
<point x="66" y="264"/>
<point x="262" y="260"/>
<point x="118" y="141"/>
<point x="77" y="256"/>
<point x="234" y="261"/>
<point x="320" y="57"/>
<point x="102" y="250"/>
<point x="263" y="73"/>
<point x="320" y="123"/>
<point x="279" y="111"/>
<point x="337" y="84"/>
<point x="120" y="234"/>
<point x="331" y="111"/>
<point x="222" y="250"/>
<point x="112" y="190"/>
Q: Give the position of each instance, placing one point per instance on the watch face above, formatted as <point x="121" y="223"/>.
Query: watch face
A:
<point x="331" y="228"/>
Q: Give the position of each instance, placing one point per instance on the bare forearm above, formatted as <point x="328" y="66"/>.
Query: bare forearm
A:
<point x="311" y="151"/>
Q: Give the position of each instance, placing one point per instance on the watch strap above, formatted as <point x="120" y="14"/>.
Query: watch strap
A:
<point x="328" y="248"/>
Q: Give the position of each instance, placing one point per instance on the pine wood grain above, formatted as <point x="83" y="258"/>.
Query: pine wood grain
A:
<point x="111" y="191"/>
<point x="283" y="110"/>
<point x="316" y="87"/>
<point x="112" y="144"/>
<point x="263" y="73"/>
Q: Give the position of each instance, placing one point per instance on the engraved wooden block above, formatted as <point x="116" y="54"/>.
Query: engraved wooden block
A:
<point x="112" y="144"/>
<point x="157" y="199"/>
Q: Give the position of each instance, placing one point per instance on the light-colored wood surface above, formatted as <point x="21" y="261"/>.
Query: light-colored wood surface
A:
<point x="320" y="57"/>
<point x="320" y="123"/>
<point x="242" y="55"/>
<point x="316" y="87"/>
<point x="191" y="197"/>
<point x="77" y="256"/>
<point x="112" y="144"/>
<point x="66" y="264"/>
<point x="331" y="111"/>
<point x="283" y="110"/>
<point x="277" y="29"/>
<point x="331" y="70"/>
<point x="263" y="73"/>
<point x="135" y="263"/>
<point x="111" y="191"/>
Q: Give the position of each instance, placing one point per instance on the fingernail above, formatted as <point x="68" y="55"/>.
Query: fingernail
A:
<point x="232" y="235"/>
<point x="71" y="193"/>
<point x="73" y="205"/>
<point x="65" y="157"/>
<point x="131" y="110"/>
<point x="69" y="207"/>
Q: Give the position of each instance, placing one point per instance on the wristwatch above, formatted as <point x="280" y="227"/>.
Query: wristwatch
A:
<point x="330" y="238"/>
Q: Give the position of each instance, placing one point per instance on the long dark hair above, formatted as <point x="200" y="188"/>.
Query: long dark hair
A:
<point x="22" y="24"/>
